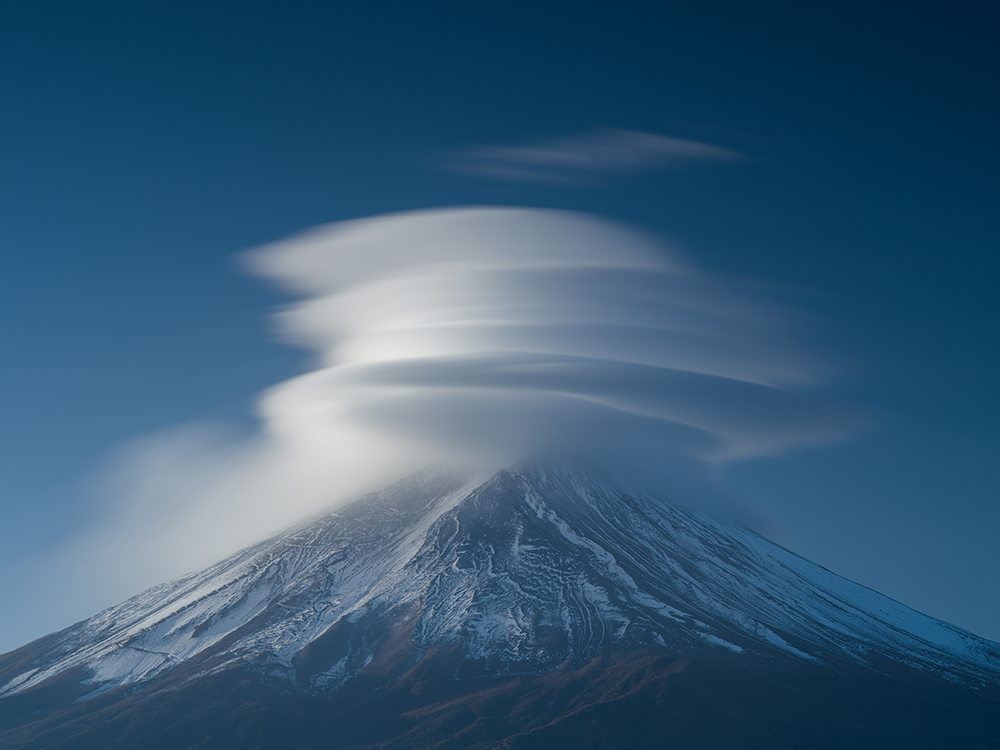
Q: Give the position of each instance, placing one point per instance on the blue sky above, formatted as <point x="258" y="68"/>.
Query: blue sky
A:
<point x="145" y="146"/>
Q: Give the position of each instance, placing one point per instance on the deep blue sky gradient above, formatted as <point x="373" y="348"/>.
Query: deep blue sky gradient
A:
<point x="142" y="145"/>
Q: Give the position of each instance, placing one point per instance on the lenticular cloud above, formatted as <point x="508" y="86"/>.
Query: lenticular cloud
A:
<point x="517" y="334"/>
<point x="490" y="335"/>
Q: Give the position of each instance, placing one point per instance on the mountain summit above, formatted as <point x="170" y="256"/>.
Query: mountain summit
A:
<point x="512" y="575"/>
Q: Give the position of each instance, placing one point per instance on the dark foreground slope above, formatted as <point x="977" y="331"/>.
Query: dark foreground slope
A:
<point x="630" y="700"/>
<point x="521" y="609"/>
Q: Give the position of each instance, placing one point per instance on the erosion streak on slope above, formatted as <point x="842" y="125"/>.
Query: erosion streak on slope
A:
<point x="518" y="572"/>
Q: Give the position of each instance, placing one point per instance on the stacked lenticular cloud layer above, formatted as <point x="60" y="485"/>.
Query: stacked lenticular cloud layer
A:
<point x="520" y="332"/>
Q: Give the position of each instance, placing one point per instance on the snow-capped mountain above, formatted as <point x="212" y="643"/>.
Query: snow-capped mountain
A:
<point x="518" y="572"/>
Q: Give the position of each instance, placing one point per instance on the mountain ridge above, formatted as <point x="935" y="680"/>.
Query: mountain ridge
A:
<point x="519" y="572"/>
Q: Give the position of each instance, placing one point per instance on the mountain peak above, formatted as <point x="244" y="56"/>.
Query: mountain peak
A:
<point x="518" y="571"/>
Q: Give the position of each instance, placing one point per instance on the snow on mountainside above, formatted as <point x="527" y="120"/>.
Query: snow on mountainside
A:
<point x="516" y="572"/>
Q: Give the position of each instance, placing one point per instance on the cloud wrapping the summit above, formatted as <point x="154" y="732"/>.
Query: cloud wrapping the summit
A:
<point x="520" y="333"/>
<point x="494" y="335"/>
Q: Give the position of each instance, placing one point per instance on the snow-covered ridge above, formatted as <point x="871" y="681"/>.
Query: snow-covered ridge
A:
<point x="519" y="571"/>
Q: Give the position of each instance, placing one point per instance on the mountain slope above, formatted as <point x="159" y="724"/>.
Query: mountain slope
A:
<point x="516" y="573"/>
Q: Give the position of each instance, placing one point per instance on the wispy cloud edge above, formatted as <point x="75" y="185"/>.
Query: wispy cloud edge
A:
<point x="584" y="158"/>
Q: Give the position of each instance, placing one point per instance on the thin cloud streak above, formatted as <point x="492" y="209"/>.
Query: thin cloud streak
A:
<point x="583" y="159"/>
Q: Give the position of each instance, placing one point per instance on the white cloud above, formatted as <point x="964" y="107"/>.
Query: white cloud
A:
<point x="581" y="159"/>
<point x="564" y="313"/>
<point x="489" y="334"/>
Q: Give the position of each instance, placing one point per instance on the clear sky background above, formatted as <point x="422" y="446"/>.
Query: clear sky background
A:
<point x="143" y="145"/>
